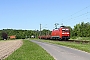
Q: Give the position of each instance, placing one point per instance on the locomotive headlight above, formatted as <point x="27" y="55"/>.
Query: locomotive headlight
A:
<point x="67" y="33"/>
<point x="63" y="33"/>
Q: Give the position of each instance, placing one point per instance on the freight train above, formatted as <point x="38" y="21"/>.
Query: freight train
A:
<point x="62" y="33"/>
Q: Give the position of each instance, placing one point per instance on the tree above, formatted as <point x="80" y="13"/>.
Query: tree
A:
<point x="82" y="30"/>
<point x="4" y="35"/>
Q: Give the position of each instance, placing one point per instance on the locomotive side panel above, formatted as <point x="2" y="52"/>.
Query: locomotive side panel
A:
<point x="55" y="34"/>
<point x="60" y="33"/>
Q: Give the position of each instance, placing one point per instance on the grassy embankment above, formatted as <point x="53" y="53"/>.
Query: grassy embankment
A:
<point x="80" y="46"/>
<point x="30" y="51"/>
<point x="80" y="38"/>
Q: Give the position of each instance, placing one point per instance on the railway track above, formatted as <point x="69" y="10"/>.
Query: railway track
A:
<point x="78" y="41"/>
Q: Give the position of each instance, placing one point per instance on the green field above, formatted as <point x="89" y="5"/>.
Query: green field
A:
<point x="30" y="51"/>
<point x="80" y="46"/>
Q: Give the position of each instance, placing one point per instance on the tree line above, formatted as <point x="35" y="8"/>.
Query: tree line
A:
<point x="80" y="30"/>
<point x="22" y="34"/>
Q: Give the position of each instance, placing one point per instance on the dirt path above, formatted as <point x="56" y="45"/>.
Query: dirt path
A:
<point x="7" y="47"/>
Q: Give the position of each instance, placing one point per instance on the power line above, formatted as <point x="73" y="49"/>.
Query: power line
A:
<point x="71" y="16"/>
<point x="80" y="15"/>
<point x="81" y="10"/>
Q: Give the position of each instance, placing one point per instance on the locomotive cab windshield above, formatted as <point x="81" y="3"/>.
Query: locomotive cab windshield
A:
<point x="65" y="30"/>
<point x="65" y="33"/>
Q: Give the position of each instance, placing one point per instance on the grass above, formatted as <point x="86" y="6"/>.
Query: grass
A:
<point x="81" y="38"/>
<point x="83" y="47"/>
<point x="30" y="51"/>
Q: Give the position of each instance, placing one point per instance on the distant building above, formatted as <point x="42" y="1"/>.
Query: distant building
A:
<point x="12" y="37"/>
<point x="32" y="36"/>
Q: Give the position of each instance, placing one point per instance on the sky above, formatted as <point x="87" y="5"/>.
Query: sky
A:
<point x="29" y="14"/>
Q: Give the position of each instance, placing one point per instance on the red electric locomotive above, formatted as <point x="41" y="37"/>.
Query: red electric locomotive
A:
<point x="61" y="33"/>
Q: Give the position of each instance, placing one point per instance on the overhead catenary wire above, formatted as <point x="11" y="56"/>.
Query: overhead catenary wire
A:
<point x="78" y="14"/>
<point x="81" y="10"/>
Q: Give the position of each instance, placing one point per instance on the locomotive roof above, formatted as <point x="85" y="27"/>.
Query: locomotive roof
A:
<point x="62" y="26"/>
